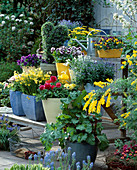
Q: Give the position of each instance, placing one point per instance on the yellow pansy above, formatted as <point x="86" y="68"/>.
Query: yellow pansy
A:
<point x="109" y="80"/>
<point x="122" y="67"/>
<point x="123" y="62"/>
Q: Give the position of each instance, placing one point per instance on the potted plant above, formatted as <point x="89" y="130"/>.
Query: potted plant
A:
<point x="87" y="71"/>
<point x="124" y="157"/>
<point x="28" y="83"/>
<point x="51" y="93"/>
<point x="62" y="54"/>
<point x="76" y="129"/>
<point x="109" y="47"/>
<point x="30" y="62"/>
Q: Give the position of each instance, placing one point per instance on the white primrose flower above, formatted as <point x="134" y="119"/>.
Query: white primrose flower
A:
<point x="7" y="17"/>
<point x="30" y="18"/>
<point x="13" y="28"/>
<point x="3" y="22"/>
<point x="25" y="21"/>
<point x="31" y="23"/>
<point x="2" y="15"/>
<point x="32" y="30"/>
<point x="20" y="20"/>
<point x="21" y="15"/>
<point x="12" y="16"/>
<point x="17" y="20"/>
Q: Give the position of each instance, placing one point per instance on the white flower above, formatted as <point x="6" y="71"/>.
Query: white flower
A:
<point x="13" y="28"/>
<point x="32" y="30"/>
<point x="17" y="19"/>
<point x="12" y="19"/>
<point x="25" y="21"/>
<point x="20" y="20"/>
<point x="1" y="15"/>
<point x="31" y="23"/>
<point x="12" y="16"/>
<point x="30" y="43"/>
<point x="7" y="17"/>
<point x="30" y="18"/>
<point x="3" y="22"/>
<point x="21" y="15"/>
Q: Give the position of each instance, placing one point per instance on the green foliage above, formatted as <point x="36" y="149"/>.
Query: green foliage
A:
<point x="7" y="70"/>
<point x="88" y="71"/>
<point x="71" y="10"/>
<point x="27" y="167"/>
<point x="74" y="124"/>
<point x="52" y="37"/>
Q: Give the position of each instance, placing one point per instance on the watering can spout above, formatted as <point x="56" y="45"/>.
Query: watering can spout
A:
<point x="80" y="44"/>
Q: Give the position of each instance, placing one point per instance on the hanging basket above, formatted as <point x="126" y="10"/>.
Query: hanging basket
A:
<point x="112" y="53"/>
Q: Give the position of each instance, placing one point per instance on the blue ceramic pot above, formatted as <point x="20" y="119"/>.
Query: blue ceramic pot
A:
<point x="32" y="109"/>
<point x="15" y="101"/>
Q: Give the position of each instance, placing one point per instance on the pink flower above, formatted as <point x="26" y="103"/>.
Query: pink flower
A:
<point x="52" y="87"/>
<point x="48" y="81"/>
<point x="5" y="85"/>
<point x="58" y="85"/>
<point x="122" y="157"/>
<point x="42" y="87"/>
<point x="47" y="86"/>
<point x="53" y="79"/>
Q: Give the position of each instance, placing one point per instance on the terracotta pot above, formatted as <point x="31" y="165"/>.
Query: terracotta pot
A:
<point x="112" y="53"/>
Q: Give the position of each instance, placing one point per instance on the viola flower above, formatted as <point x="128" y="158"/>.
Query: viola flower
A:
<point x="47" y="86"/>
<point x="42" y="87"/>
<point x="53" y="79"/>
<point x="58" y="85"/>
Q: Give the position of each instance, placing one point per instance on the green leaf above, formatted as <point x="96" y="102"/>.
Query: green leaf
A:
<point x="80" y="127"/>
<point x="103" y="142"/>
<point x="75" y="121"/>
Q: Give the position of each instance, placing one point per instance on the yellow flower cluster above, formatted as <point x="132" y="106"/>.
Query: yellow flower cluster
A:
<point x="63" y="78"/>
<point x="108" y="42"/>
<point x="129" y="59"/>
<point x="36" y="76"/>
<point x="94" y="104"/>
<point x="125" y="115"/>
<point x="69" y="86"/>
<point x="82" y="31"/>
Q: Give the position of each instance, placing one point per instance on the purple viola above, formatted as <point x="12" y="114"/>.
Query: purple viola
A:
<point x="31" y="60"/>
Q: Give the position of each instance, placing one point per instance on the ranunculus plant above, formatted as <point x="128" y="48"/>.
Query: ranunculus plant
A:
<point x="54" y="89"/>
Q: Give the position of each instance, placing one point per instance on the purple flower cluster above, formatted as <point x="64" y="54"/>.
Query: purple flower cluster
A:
<point x="64" y="53"/>
<point x="69" y="24"/>
<point x="31" y="60"/>
<point x="4" y="123"/>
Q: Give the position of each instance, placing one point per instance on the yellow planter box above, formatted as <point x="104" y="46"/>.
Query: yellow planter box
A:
<point x="112" y="53"/>
<point x="62" y="69"/>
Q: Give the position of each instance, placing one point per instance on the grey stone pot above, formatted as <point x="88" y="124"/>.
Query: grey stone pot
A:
<point x="82" y="150"/>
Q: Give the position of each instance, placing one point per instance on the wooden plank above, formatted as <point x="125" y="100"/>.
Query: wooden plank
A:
<point x="22" y="120"/>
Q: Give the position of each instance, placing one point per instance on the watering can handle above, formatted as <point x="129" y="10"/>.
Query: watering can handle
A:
<point x="98" y="30"/>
